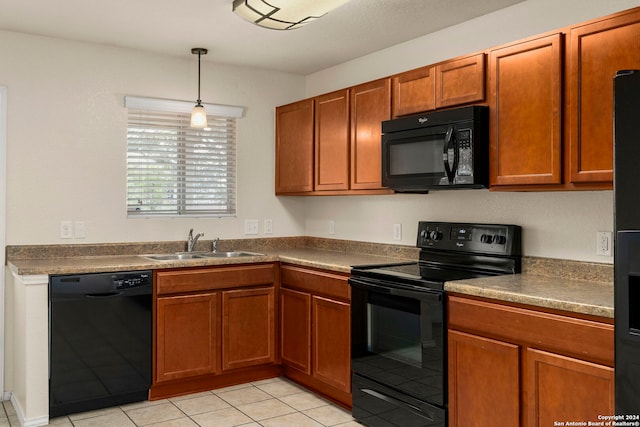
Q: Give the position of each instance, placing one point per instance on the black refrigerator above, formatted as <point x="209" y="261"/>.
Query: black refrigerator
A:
<point x="627" y="243"/>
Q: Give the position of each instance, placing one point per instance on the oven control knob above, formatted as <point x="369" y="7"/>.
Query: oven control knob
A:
<point x="500" y="240"/>
<point x="424" y="235"/>
<point x="486" y="238"/>
<point x="435" y="235"/>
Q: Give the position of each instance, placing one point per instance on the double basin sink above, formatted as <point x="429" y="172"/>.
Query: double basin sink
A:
<point x="177" y="256"/>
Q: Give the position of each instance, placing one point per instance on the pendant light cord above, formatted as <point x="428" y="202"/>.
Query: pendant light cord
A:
<point x="200" y="51"/>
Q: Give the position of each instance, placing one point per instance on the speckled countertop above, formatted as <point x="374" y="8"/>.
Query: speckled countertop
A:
<point x="576" y="296"/>
<point x="577" y="287"/>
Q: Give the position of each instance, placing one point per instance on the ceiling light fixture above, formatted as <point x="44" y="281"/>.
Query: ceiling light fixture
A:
<point x="198" y="114"/>
<point x="284" y="14"/>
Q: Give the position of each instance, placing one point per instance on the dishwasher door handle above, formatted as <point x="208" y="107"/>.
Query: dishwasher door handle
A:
<point x="103" y="295"/>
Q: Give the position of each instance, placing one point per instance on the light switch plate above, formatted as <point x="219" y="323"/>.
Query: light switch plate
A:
<point x="251" y="226"/>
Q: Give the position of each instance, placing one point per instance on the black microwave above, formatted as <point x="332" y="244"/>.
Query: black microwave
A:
<point x="436" y="150"/>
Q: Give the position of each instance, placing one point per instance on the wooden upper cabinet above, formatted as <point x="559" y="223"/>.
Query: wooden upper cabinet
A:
<point x="294" y="147"/>
<point x="460" y="81"/>
<point x="370" y="106"/>
<point x="450" y="83"/>
<point x="332" y="141"/>
<point x="413" y="92"/>
<point x="525" y="96"/>
<point x="596" y="51"/>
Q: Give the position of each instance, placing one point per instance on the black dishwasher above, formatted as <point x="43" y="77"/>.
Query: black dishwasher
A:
<point x="99" y="340"/>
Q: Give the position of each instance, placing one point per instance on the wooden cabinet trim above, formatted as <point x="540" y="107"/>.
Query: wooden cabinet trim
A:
<point x="586" y="339"/>
<point x="211" y="278"/>
<point x="316" y="282"/>
<point x="460" y="81"/>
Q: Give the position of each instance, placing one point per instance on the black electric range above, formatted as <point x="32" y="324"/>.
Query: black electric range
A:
<point x="398" y="320"/>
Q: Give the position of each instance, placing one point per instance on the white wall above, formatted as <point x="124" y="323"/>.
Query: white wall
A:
<point x="556" y="224"/>
<point x="66" y="136"/>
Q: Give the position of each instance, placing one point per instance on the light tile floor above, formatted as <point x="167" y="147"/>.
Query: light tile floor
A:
<point x="275" y="402"/>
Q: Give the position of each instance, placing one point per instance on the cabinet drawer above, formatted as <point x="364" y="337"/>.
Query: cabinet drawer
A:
<point x="316" y="282"/>
<point x="202" y="279"/>
<point x="585" y="339"/>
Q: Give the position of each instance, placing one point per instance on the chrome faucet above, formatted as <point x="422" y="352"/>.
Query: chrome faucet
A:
<point x="214" y="244"/>
<point x="191" y="241"/>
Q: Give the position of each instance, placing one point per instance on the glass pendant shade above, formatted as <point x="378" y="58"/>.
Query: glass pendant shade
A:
<point x="284" y="14"/>
<point x="198" y="116"/>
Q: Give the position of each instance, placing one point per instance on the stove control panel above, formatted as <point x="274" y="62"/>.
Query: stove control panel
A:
<point x="496" y="239"/>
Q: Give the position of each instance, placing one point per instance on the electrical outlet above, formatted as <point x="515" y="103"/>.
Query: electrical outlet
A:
<point x="397" y="231"/>
<point x="603" y="243"/>
<point x="268" y="226"/>
<point x="332" y="227"/>
<point x="251" y="226"/>
<point x="66" y="229"/>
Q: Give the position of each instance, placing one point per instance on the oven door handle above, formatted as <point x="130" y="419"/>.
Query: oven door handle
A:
<point x="425" y="295"/>
<point x="397" y="402"/>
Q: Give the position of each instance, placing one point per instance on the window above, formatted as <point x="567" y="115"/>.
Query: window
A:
<point x="174" y="169"/>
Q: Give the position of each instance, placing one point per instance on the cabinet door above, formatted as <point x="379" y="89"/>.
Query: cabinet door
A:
<point x="332" y="141"/>
<point x="483" y="381"/>
<point x="248" y="327"/>
<point x="294" y="147"/>
<point x="186" y="336"/>
<point x="331" y="345"/>
<point x="559" y="388"/>
<point x="460" y="81"/>
<point x="295" y="334"/>
<point x="596" y="52"/>
<point x="525" y="97"/>
<point x="413" y="92"/>
<point x="370" y="105"/>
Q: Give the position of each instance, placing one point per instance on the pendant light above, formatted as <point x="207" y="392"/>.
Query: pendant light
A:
<point x="198" y="114"/>
<point x="284" y="14"/>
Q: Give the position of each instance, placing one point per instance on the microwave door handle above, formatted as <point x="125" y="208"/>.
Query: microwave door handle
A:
<point x="450" y="145"/>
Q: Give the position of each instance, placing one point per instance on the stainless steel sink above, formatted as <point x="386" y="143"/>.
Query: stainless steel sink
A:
<point x="229" y="254"/>
<point x="178" y="256"/>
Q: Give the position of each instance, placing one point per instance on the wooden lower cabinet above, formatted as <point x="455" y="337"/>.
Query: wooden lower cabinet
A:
<point x="214" y="327"/>
<point x="560" y="388"/>
<point x="248" y="327"/>
<point x="315" y="331"/>
<point x="295" y="324"/>
<point x="484" y="381"/>
<point x="519" y="366"/>
<point x="331" y="342"/>
<point x="187" y="336"/>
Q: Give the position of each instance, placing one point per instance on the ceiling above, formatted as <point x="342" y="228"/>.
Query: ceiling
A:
<point x="353" y="30"/>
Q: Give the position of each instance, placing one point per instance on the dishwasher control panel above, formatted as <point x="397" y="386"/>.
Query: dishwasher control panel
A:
<point x="131" y="280"/>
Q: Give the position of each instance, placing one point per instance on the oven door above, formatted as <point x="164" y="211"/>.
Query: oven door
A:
<point x="398" y="338"/>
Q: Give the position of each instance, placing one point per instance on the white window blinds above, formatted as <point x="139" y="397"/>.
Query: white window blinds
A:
<point x="174" y="169"/>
